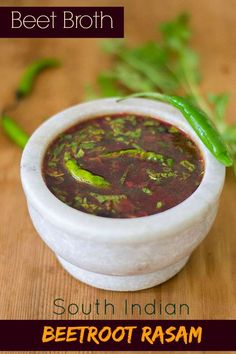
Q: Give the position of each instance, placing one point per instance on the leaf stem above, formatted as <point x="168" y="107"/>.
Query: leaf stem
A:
<point x="199" y="98"/>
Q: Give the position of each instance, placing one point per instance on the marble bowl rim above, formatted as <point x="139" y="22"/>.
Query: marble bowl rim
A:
<point x="112" y="230"/>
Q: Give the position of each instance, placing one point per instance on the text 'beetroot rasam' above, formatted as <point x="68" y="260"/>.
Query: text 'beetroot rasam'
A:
<point x="123" y="166"/>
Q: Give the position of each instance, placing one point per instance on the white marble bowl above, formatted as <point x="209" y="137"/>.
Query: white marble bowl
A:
<point x="119" y="254"/>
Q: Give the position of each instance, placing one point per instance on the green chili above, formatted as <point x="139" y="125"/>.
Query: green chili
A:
<point x="85" y="176"/>
<point x="143" y="155"/>
<point x="31" y="73"/>
<point x="14" y="131"/>
<point x="200" y="123"/>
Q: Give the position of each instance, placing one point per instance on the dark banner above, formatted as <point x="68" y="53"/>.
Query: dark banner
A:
<point x="61" y="22"/>
<point x="118" y="335"/>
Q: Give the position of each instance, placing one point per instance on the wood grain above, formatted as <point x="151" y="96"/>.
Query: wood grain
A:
<point x="30" y="276"/>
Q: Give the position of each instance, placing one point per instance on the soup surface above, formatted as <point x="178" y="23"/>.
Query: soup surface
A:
<point x="122" y="166"/>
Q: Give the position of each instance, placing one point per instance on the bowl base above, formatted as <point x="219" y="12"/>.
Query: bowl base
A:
<point x="123" y="283"/>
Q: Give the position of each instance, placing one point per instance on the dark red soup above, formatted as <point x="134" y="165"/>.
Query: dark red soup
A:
<point x="122" y="166"/>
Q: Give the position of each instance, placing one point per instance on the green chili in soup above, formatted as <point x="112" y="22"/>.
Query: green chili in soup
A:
<point x="123" y="166"/>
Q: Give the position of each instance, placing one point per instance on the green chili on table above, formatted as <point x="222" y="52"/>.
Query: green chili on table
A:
<point x="14" y="131"/>
<point x="31" y="73"/>
<point x="10" y="127"/>
<point x="198" y="120"/>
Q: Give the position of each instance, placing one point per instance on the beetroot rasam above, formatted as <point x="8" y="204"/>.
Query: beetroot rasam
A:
<point x="123" y="166"/>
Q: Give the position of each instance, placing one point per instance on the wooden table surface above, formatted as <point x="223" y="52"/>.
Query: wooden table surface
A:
<point x="30" y="276"/>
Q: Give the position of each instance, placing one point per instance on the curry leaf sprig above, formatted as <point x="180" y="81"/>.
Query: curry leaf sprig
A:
<point x="169" y="66"/>
<point x="11" y="128"/>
